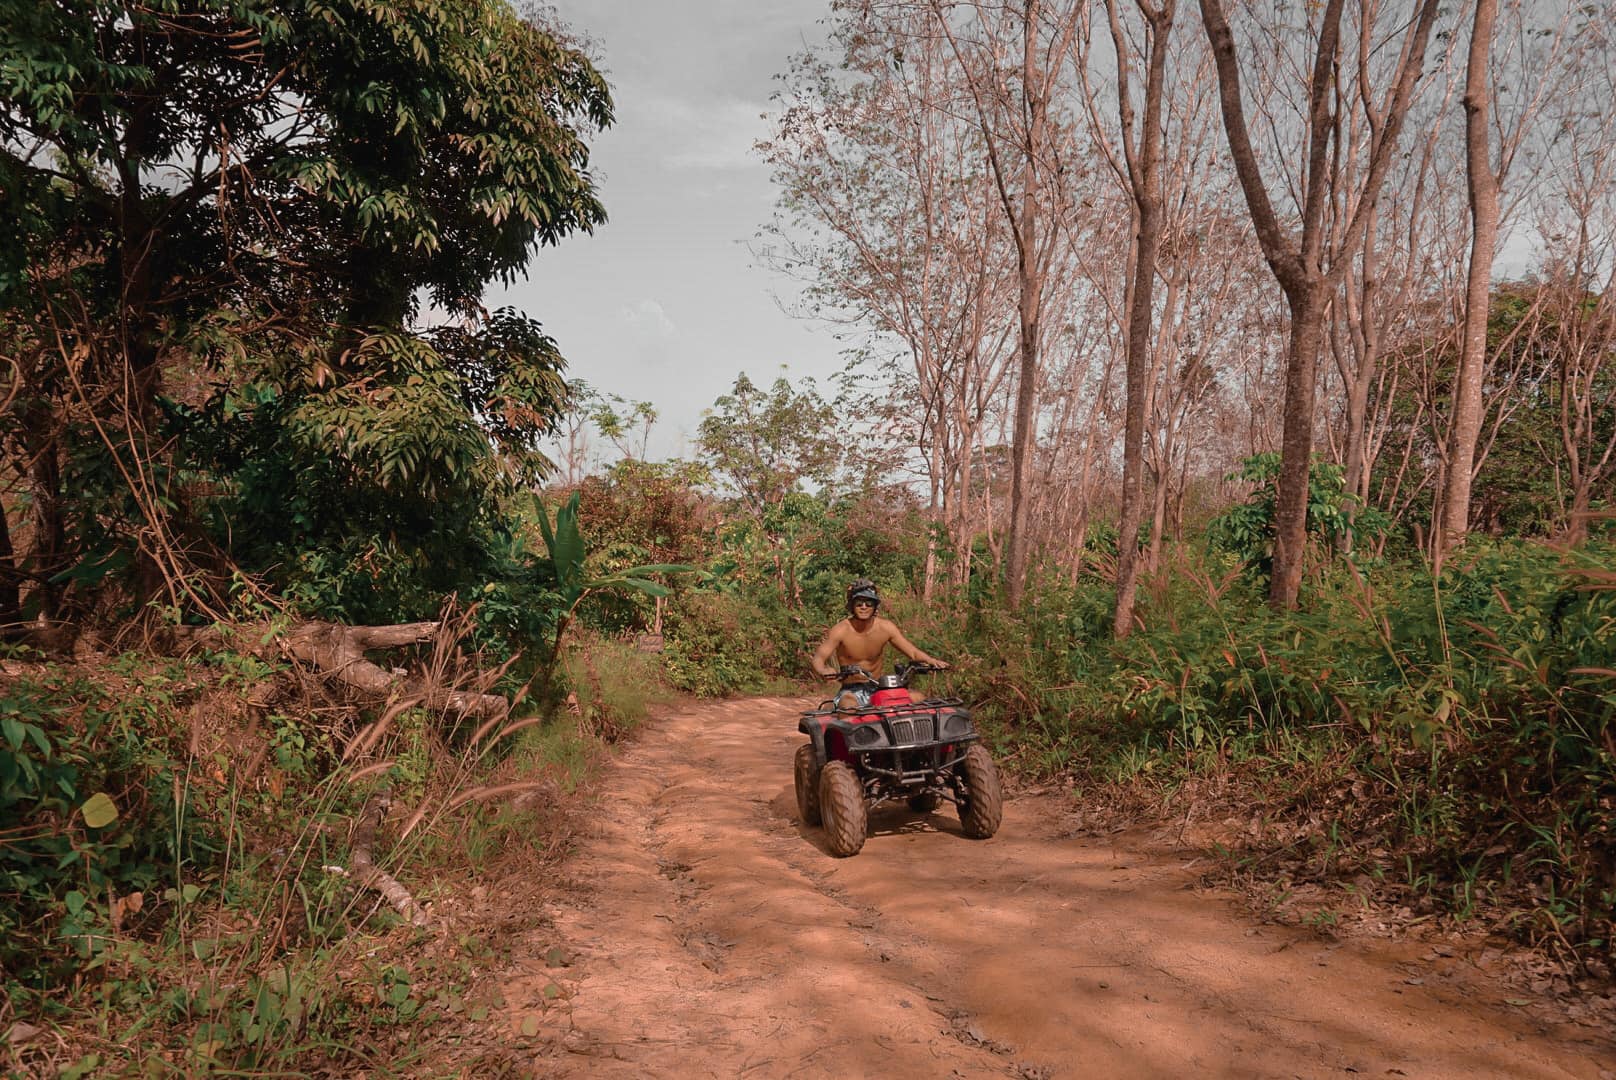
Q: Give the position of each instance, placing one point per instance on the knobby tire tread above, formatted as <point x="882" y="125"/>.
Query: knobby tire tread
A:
<point x="805" y="768"/>
<point x="982" y="808"/>
<point x="841" y="802"/>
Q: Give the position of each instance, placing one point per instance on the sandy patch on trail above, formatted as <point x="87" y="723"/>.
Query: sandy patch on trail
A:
<point x="707" y="933"/>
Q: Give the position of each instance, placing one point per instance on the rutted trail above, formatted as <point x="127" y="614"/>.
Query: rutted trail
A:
<point x="711" y="935"/>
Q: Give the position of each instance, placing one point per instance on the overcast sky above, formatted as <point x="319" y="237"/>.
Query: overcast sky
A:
<point x="663" y="302"/>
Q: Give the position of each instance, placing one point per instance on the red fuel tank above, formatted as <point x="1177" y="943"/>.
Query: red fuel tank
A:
<point x="897" y="695"/>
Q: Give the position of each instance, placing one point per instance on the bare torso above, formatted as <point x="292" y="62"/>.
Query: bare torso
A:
<point x="867" y="647"/>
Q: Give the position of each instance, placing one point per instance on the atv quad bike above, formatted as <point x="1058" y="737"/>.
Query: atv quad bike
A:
<point x="894" y="747"/>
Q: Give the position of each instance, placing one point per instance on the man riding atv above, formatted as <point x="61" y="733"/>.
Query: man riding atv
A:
<point x="877" y="743"/>
<point x="860" y="640"/>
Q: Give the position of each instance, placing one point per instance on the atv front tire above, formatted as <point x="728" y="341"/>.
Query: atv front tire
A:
<point x="841" y="802"/>
<point x="806" y="768"/>
<point x="981" y="806"/>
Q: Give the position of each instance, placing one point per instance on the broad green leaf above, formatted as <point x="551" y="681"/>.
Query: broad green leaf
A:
<point x="568" y="551"/>
<point x="99" y="810"/>
<point x="650" y="588"/>
<point x="548" y="534"/>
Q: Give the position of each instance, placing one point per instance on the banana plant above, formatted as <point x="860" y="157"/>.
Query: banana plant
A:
<point x="565" y="544"/>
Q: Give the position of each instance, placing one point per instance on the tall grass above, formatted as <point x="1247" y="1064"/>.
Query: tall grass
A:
<point x="1463" y="725"/>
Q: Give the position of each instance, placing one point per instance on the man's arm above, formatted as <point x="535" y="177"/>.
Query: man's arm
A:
<point x="827" y="649"/>
<point x="905" y="646"/>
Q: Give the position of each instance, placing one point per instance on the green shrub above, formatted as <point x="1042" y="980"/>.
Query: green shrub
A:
<point x="1333" y="516"/>
<point x="97" y="800"/>
<point x="714" y="645"/>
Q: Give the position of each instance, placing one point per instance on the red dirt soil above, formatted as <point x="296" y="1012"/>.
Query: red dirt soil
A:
<point x="709" y="933"/>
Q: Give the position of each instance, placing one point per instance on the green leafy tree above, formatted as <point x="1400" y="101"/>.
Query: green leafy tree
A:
<point x="350" y="152"/>
<point x="231" y="209"/>
<point x="625" y="424"/>
<point x="764" y="443"/>
<point x="375" y="496"/>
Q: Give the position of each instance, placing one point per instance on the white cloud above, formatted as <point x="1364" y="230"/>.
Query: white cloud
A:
<point x="649" y="322"/>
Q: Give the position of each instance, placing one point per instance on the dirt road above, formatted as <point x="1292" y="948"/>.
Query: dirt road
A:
<point x="708" y="933"/>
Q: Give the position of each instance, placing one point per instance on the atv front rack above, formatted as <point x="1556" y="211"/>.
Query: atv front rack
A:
<point x="828" y="708"/>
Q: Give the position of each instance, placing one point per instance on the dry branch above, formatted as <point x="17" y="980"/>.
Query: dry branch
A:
<point x="368" y="874"/>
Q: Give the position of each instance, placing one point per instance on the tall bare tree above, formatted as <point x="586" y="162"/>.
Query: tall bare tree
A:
<point x="1482" y="185"/>
<point x="1397" y="264"/>
<point x="1014" y="104"/>
<point x="1307" y="272"/>
<point x="1576" y="214"/>
<point x="1141" y="136"/>
<point x="889" y="214"/>
<point x="1492" y="143"/>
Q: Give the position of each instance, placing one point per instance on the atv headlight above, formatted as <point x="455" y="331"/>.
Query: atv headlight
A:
<point x="956" y="723"/>
<point x="866" y="735"/>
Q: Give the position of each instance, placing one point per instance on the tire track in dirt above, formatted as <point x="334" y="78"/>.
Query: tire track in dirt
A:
<point x="711" y="934"/>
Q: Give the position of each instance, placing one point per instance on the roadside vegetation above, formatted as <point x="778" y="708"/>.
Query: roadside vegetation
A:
<point x="1441" y="742"/>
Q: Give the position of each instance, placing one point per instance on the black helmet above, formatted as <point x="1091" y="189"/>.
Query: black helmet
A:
<point x="862" y="589"/>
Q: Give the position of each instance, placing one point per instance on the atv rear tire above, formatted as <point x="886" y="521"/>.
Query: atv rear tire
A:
<point x="806" y="768"/>
<point x="841" y="803"/>
<point x="925" y="802"/>
<point x="981" y="806"/>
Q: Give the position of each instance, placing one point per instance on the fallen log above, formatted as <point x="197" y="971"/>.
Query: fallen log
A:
<point x="338" y="650"/>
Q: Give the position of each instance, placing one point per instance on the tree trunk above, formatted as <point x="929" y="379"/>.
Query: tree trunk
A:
<point x="139" y="239"/>
<point x="1025" y="436"/>
<point x="1465" y="426"/>
<point x="1576" y="530"/>
<point x="1296" y="444"/>
<point x="338" y="651"/>
<point x="935" y="511"/>
<point x="1139" y="359"/>
<point x="1365" y="348"/>
<point x="48" y="556"/>
<point x="1161" y="482"/>
<point x="1145" y="188"/>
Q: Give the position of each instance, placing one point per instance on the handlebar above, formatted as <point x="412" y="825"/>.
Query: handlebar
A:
<point x="848" y="672"/>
